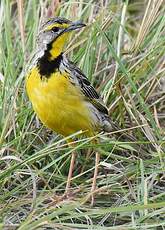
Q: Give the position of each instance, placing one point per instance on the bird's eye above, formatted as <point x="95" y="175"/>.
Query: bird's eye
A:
<point x="55" y="29"/>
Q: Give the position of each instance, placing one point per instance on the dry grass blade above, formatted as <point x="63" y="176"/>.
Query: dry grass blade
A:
<point x="147" y="130"/>
<point x="52" y="8"/>
<point x="150" y="16"/>
<point x="21" y="22"/>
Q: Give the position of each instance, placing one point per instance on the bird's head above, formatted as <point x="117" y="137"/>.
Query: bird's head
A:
<point x="55" y="32"/>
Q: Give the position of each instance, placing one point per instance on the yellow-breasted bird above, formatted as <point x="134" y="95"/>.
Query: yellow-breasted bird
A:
<point x="61" y="95"/>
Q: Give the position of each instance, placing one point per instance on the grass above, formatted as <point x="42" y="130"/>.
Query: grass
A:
<point x="122" y="52"/>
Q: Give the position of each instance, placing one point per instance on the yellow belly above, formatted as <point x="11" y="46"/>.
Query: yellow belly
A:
<point x="59" y="104"/>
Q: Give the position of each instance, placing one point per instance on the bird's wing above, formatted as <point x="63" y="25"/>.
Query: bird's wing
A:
<point x="81" y="81"/>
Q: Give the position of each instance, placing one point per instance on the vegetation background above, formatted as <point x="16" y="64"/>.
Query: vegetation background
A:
<point x="122" y="53"/>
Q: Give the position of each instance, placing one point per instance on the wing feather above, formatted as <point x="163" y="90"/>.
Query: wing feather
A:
<point x="81" y="81"/>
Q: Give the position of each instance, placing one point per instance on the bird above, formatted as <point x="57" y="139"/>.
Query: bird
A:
<point x="61" y="95"/>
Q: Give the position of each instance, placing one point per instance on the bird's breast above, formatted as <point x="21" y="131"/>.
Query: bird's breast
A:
<point x="58" y="103"/>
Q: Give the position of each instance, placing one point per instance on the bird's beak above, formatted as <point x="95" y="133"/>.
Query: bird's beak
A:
<point x="74" y="26"/>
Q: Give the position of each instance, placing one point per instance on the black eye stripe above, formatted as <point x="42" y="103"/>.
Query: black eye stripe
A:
<point x="55" y="29"/>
